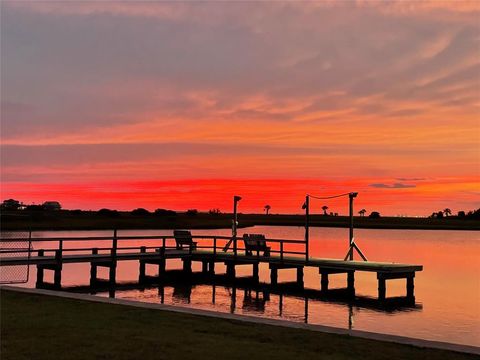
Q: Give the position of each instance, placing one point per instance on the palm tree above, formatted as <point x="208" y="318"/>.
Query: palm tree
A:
<point x="447" y="212"/>
<point x="267" y="209"/>
<point x="324" y="208"/>
<point x="362" y="212"/>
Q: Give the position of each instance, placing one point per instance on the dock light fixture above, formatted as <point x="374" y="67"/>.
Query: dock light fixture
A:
<point x="306" y="207"/>
<point x="236" y="199"/>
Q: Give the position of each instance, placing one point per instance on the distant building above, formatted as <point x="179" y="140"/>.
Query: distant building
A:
<point x="52" y="205"/>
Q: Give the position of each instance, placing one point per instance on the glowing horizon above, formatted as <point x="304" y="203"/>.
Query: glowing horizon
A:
<point x="183" y="105"/>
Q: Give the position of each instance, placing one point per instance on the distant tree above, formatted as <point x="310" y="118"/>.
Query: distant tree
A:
<point x="34" y="208"/>
<point x="374" y="215"/>
<point x="461" y="214"/>
<point x="440" y="215"/>
<point x="362" y="212"/>
<point x="325" y="208"/>
<point x="140" y="212"/>
<point x="108" y="212"/>
<point x="267" y="208"/>
<point x="10" y="204"/>
<point x="192" y="212"/>
<point x="76" y="212"/>
<point x="447" y="212"/>
<point x="474" y="214"/>
<point x="164" y="212"/>
<point x="214" y="212"/>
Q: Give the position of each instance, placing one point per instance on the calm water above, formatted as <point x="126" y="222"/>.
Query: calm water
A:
<point x="447" y="291"/>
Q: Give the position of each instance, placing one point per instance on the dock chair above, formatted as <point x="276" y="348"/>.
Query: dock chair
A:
<point x="184" y="238"/>
<point x="255" y="242"/>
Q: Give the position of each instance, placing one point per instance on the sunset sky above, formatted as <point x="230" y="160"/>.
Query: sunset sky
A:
<point x="182" y="105"/>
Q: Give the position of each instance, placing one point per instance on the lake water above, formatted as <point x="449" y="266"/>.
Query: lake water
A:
<point x="447" y="291"/>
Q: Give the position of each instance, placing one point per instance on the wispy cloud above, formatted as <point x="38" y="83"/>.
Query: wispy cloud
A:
<point x="392" y="186"/>
<point x="410" y="179"/>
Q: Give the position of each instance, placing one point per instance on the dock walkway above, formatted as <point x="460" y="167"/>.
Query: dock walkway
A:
<point x="208" y="254"/>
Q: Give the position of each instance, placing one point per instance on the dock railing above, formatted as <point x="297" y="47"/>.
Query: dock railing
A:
<point x="75" y="245"/>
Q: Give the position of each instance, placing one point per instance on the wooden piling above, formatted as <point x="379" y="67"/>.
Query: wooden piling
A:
<point x="324" y="281"/>
<point x="351" y="282"/>
<point x="40" y="271"/>
<point x="142" y="266"/>
<point x="93" y="269"/>
<point x="187" y="265"/>
<point x="211" y="268"/>
<point x="204" y="267"/>
<point x="300" y="276"/>
<point x="255" y="272"/>
<point x="410" y="286"/>
<point x="273" y="275"/>
<point x="57" y="277"/>
<point x="231" y="270"/>
<point x="382" y="288"/>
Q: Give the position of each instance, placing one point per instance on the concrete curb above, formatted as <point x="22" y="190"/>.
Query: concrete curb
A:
<point x="257" y="320"/>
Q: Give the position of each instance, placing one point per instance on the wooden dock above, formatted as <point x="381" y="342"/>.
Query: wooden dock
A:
<point x="207" y="251"/>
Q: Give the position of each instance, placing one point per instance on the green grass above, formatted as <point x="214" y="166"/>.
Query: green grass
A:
<point x="44" y="327"/>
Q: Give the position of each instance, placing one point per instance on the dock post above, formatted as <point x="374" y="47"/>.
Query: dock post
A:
<point x="40" y="271"/>
<point x="211" y="268"/>
<point x="410" y="286"/>
<point x="141" y="271"/>
<point x="113" y="264"/>
<point x="351" y="282"/>
<point x="273" y="275"/>
<point x="255" y="272"/>
<point x="324" y="281"/>
<point x="113" y="267"/>
<point x="57" y="277"/>
<point x="204" y="266"/>
<point x="187" y="265"/>
<point x="382" y="289"/>
<point x="300" y="276"/>
<point x="93" y="269"/>
<point x="231" y="270"/>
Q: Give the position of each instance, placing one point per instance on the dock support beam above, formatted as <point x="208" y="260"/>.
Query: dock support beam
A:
<point x="211" y="268"/>
<point x="231" y="270"/>
<point x="273" y="275"/>
<point x="187" y="265"/>
<point x="383" y="277"/>
<point x="300" y="276"/>
<point x="204" y="266"/>
<point x="142" y="266"/>
<point x="410" y="286"/>
<point x="323" y="281"/>
<point x="382" y="289"/>
<point x="255" y="272"/>
<point x="351" y="282"/>
<point x="93" y="269"/>
<point x="40" y="271"/>
<point x="57" y="275"/>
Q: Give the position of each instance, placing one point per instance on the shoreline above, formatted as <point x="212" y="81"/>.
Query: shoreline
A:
<point x="334" y="331"/>
<point x="66" y="220"/>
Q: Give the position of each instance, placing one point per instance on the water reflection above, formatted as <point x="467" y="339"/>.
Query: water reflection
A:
<point x="245" y="295"/>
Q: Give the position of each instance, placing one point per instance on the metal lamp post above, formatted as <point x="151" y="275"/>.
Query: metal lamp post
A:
<point x="306" y="207"/>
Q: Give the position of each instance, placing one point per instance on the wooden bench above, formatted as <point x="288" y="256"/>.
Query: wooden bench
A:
<point x="255" y="242"/>
<point x="184" y="238"/>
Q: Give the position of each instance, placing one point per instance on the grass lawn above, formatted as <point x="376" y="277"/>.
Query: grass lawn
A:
<point x="45" y="327"/>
